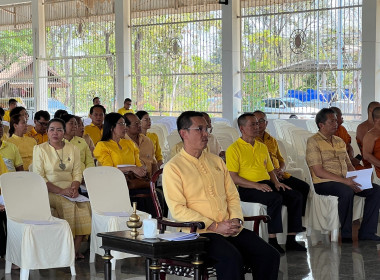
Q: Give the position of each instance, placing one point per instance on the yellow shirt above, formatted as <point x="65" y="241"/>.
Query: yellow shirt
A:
<point x="250" y="162"/>
<point x="157" y="148"/>
<point x="86" y="159"/>
<point x="122" y="111"/>
<point x="89" y="142"/>
<point x="274" y="151"/>
<point x="11" y="156"/>
<point x="333" y="158"/>
<point x="25" y="146"/>
<point x="200" y="189"/>
<point x="46" y="161"/>
<point x="95" y="132"/>
<point x="146" y="151"/>
<point x="40" y="138"/>
<point x="6" y="116"/>
<point x="108" y="153"/>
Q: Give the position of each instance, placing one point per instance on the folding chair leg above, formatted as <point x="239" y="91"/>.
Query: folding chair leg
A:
<point x="72" y="269"/>
<point x="113" y="263"/>
<point x="24" y="274"/>
<point x="8" y="267"/>
<point x="92" y="257"/>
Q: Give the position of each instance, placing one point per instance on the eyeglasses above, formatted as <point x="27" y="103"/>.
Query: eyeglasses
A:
<point x="135" y="124"/>
<point x="201" y="129"/>
<point x="122" y="123"/>
<point x="261" y="121"/>
<point x="43" y="123"/>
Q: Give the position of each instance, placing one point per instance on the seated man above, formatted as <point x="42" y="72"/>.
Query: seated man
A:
<point x="145" y="145"/>
<point x="328" y="161"/>
<point x="342" y="133"/>
<point x="95" y="129"/>
<point x="41" y="120"/>
<point x="364" y="127"/>
<point x="252" y="170"/>
<point x="278" y="161"/>
<point x="371" y="142"/>
<point x="198" y="187"/>
<point x="126" y="108"/>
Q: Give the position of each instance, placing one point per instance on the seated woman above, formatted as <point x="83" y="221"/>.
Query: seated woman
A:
<point x="114" y="150"/>
<point x="86" y="158"/>
<point x="59" y="164"/>
<point x="145" y="125"/>
<point x="21" y="111"/>
<point x="80" y="131"/>
<point x="9" y="153"/>
<point x="25" y="144"/>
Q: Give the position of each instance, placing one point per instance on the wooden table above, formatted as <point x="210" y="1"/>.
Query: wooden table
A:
<point x="152" y="250"/>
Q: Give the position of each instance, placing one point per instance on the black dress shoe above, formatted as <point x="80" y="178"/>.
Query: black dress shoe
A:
<point x="277" y="247"/>
<point x="294" y="246"/>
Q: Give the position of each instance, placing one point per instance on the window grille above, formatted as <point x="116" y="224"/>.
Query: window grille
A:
<point x="301" y="51"/>
<point x="16" y="50"/>
<point x="176" y="56"/>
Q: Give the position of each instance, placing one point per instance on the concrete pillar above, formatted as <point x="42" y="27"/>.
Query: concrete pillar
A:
<point x="370" y="54"/>
<point x="231" y="77"/>
<point x="39" y="54"/>
<point x="123" y="51"/>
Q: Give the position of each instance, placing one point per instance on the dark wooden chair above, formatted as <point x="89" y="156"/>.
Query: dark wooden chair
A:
<point x="182" y="265"/>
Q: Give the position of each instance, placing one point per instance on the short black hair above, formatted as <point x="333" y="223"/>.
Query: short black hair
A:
<point x="260" y="112"/>
<point x="184" y="120"/>
<point x="321" y="116"/>
<point x="60" y="113"/>
<point x="140" y="114"/>
<point x="97" y="106"/>
<point x="110" y="122"/>
<point x="57" y="120"/>
<point x="67" y="118"/>
<point x="12" y="100"/>
<point x="127" y="121"/>
<point x="127" y="99"/>
<point x="372" y="104"/>
<point x="16" y="111"/>
<point x="93" y="100"/>
<point x="15" y="119"/>
<point x="242" y="119"/>
<point x="2" y="112"/>
<point x="42" y="114"/>
<point x="376" y="113"/>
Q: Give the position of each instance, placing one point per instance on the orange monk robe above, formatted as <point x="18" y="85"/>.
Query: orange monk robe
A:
<point x="366" y="164"/>
<point x="376" y="153"/>
<point x="342" y="133"/>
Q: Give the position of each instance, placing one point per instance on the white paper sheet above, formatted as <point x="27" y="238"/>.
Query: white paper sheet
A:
<point x="125" y="165"/>
<point x="80" y="198"/>
<point x="178" y="236"/>
<point x="363" y="178"/>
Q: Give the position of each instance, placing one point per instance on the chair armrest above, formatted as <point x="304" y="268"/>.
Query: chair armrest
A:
<point x="257" y="220"/>
<point x="163" y="223"/>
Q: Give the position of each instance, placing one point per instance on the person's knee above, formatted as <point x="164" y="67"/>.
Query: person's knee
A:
<point x="275" y="199"/>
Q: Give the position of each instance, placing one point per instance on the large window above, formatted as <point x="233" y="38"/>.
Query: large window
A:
<point x="176" y="56"/>
<point x="16" y="50"/>
<point x="304" y="50"/>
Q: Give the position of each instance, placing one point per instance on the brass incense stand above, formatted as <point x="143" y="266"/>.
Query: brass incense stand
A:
<point x="134" y="222"/>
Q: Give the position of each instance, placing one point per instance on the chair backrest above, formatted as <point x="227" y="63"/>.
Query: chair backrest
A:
<point x="160" y="134"/>
<point x="311" y="126"/>
<point x="25" y="196"/>
<point x="277" y="125"/>
<point x="224" y="139"/>
<point x="173" y="139"/>
<point x="107" y="189"/>
<point x="229" y="130"/>
<point x="163" y="127"/>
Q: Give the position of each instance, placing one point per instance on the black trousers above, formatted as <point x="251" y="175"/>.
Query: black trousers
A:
<point x="232" y="253"/>
<point x="345" y="206"/>
<point x="3" y="233"/>
<point x="300" y="186"/>
<point x="273" y="200"/>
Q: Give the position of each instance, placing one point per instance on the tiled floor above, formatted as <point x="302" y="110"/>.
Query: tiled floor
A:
<point x="324" y="261"/>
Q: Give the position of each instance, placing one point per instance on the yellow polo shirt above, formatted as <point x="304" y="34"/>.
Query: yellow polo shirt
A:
<point x="25" y="146"/>
<point x="146" y="151"/>
<point x="86" y="159"/>
<point x="157" y="148"/>
<point x="95" y="132"/>
<point x="250" y="162"/>
<point x="122" y="111"/>
<point x="108" y="153"/>
<point x="200" y="189"/>
<point x="11" y="156"/>
<point x="6" y="116"/>
<point x="40" y="138"/>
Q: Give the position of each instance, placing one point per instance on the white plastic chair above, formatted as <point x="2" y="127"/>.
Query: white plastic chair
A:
<point x="311" y="126"/>
<point x="110" y="205"/>
<point x="229" y="130"/>
<point x="224" y="139"/>
<point x="36" y="239"/>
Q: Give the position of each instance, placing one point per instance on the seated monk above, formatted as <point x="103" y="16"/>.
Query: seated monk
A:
<point x="342" y="133"/>
<point x="371" y="142"/>
<point x="364" y="127"/>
